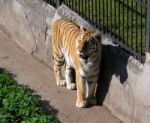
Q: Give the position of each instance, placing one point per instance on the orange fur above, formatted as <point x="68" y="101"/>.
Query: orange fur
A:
<point x="68" y="41"/>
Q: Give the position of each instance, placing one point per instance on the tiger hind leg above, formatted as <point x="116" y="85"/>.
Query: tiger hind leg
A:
<point x="58" y="63"/>
<point x="69" y="79"/>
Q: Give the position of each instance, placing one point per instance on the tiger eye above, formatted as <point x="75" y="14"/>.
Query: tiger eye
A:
<point x="79" y="40"/>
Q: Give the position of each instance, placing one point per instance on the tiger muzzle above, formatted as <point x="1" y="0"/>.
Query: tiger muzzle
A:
<point x="83" y="56"/>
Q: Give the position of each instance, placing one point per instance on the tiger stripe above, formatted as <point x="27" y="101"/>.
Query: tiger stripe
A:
<point x="81" y="50"/>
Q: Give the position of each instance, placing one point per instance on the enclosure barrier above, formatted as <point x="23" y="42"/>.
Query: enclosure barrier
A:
<point x="127" y="22"/>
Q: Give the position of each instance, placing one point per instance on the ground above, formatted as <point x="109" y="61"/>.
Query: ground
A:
<point x="40" y="79"/>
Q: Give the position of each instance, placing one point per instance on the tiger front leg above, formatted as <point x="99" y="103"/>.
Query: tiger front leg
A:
<point x="91" y="90"/>
<point x="81" y="92"/>
<point x="69" y="79"/>
<point x="58" y="75"/>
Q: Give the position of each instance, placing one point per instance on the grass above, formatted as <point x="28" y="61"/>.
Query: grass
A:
<point x="18" y="105"/>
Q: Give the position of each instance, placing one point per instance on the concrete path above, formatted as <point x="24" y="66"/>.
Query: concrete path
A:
<point x="40" y="78"/>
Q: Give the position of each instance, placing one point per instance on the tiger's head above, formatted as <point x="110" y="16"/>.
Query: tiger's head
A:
<point x="87" y="43"/>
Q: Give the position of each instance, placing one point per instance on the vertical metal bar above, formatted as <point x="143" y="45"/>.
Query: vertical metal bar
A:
<point x="61" y="1"/>
<point x="68" y="3"/>
<point x="82" y="7"/>
<point x="103" y="15"/>
<point x="86" y="10"/>
<point x="141" y="50"/>
<point x="89" y="12"/>
<point x="119" y="21"/>
<point x="115" y="17"/>
<point x="73" y="5"/>
<point x="80" y="2"/>
<point x="123" y="22"/>
<point x="127" y="23"/>
<point x="58" y="3"/>
<point x="132" y="25"/>
<point x="136" y="28"/>
<point x="92" y="16"/>
<point x="111" y="15"/>
<point x="79" y="6"/>
<point x="99" y="14"/>
<point x="85" y="2"/>
<point x="148" y="27"/>
<point x="107" y="15"/>
<point x="76" y="6"/>
<point x="96" y="11"/>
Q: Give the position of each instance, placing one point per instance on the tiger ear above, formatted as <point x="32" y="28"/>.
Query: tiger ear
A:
<point x="99" y="36"/>
<point x="82" y="29"/>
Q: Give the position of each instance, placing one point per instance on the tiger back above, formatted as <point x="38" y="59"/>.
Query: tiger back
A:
<point x="81" y="50"/>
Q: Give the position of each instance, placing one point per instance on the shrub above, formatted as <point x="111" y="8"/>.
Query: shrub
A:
<point x="18" y="105"/>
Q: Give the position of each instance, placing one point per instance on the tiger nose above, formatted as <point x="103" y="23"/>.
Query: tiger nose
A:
<point x="80" y="50"/>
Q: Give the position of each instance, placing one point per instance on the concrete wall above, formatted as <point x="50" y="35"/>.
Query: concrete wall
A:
<point x="124" y="82"/>
<point x="25" y="22"/>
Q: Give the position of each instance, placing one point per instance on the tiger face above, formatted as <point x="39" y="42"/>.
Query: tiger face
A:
<point x="87" y="44"/>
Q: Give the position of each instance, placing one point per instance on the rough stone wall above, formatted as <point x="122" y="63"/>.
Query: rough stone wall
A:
<point x="25" y="22"/>
<point x="124" y="82"/>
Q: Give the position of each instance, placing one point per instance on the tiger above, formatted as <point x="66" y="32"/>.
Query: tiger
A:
<point x="79" y="49"/>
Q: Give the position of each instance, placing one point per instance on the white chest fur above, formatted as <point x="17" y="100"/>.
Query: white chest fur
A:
<point x="90" y="68"/>
<point x="68" y="60"/>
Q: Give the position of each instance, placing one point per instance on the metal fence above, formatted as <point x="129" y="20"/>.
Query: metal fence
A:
<point x="127" y="22"/>
<point x="54" y="3"/>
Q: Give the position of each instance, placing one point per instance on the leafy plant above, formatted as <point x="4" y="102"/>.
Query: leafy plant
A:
<point x="18" y="105"/>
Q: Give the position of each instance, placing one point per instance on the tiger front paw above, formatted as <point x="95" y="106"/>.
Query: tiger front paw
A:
<point x="61" y="83"/>
<point x="81" y="104"/>
<point x="71" y="86"/>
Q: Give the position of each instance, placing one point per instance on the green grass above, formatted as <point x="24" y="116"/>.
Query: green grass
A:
<point x="18" y="105"/>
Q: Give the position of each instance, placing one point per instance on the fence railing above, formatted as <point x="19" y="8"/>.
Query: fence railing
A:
<point x="126" y="21"/>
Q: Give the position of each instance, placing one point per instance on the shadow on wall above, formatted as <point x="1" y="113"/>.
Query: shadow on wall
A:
<point x="114" y="62"/>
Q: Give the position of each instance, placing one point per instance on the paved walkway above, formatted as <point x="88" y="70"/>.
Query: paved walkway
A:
<point x="40" y="78"/>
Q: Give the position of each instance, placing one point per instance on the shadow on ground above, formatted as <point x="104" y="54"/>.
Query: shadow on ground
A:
<point x="114" y="62"/>
<point x="44" y="103"/>
<point x="8" y="72"/>
<point x="50" y="110"/>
